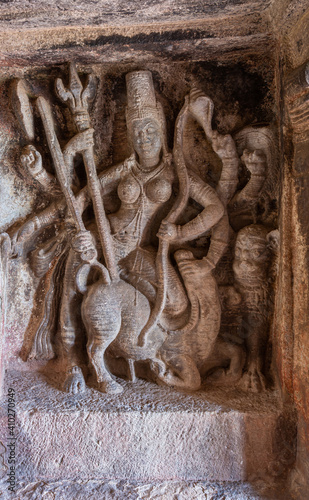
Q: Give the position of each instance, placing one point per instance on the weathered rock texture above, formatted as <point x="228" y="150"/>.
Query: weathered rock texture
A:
<point x="148" y="434"/>
<point x="254" y="53"/>
<point x="169" y="490"/>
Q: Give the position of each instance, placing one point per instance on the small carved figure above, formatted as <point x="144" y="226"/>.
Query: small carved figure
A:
<point x="253" y="203"/>
<point x="255" y="162"/>
<point x="254" y="269"/>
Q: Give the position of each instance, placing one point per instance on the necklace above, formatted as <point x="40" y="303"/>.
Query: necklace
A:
<point x="143" y="172"/>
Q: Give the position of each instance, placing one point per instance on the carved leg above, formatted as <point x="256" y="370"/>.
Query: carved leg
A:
<point x="131" y="371"/>
<point x="101" y="312"/>
<point x="256" y="329"/>
<point x="70" y="321"/>
<point x="96" y="349"/>
<point x="238" y="358"/>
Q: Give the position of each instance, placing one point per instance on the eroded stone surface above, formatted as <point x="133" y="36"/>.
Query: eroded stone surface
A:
<point x="147" y="433"/>
<point x="27" y="14"/>
<point x="288" y="23"/>
<point x="99" y="30"/>
<point x="124" y="490"/>
<point x="163" y="243"/>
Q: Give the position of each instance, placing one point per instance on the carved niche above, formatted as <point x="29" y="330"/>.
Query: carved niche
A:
<point x="148" y="268"/>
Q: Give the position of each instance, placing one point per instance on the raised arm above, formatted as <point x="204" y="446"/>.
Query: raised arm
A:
<point x="57" y="210"/>
<point x="213" y="210"/>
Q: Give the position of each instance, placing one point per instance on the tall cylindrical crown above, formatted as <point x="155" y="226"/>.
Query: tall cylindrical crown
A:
<point x="141" y="96"/>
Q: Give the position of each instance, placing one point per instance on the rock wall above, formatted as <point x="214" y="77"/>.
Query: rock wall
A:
<point x="249" y="57"/>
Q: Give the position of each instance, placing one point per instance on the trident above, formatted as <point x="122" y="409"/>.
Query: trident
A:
<point x="77" y="98"/>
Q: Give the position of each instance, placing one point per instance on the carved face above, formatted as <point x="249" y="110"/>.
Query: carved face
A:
<point x="255" y="161"/>
<point x="146" y="137"/>
<point x="251" y="254"/>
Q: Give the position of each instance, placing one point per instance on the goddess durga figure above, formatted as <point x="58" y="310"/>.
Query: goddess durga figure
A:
<point x="130" y="276"/>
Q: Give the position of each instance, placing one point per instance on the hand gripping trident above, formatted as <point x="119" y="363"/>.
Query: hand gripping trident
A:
<point x="60" y="168"/>
<point x="77" y="98"/>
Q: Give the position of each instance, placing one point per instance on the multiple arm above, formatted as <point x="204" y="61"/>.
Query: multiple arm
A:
<point x="57" y="211"/>
<point x="213" y="202"/>
<point x="211" y="214"/>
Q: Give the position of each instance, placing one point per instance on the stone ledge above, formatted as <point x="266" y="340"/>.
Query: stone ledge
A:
<point x="23" y="14"/>
<point x="167" y="490"/>
<point x="146" y="434"/>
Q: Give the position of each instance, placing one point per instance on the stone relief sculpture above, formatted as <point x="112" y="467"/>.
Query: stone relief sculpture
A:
<point x="253" y="203"/>
<point x="256" y="251"/>
<point x="130" y="281"/>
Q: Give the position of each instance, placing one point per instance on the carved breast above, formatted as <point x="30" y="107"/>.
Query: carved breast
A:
<point x="128" y="190"/>
<point x="158" y="190"/>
